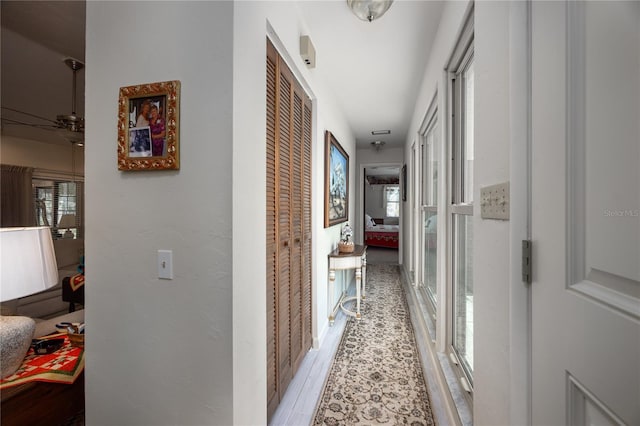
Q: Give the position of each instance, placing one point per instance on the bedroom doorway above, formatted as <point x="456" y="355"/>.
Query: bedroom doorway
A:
<point x="381" y="207"/>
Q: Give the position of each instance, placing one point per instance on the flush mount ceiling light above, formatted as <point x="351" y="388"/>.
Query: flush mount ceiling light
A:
<point x="368" y="10"/>
<point x="381" y="132"/>
<point x="378" y="144"/>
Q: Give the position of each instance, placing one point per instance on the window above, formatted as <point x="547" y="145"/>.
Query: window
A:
<point x="392" y="200"/>
<point x="462" y="149"/>
<point x="429" y="252"/>
<point x="55" y="197"/>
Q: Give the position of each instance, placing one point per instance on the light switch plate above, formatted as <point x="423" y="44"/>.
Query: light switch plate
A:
<point x="495" y="201"/>
<point x="165" y="264"/>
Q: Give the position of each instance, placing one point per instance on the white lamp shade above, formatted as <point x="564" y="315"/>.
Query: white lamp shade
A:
<point x="27" y="262"/>
<point x="67" y="221"/>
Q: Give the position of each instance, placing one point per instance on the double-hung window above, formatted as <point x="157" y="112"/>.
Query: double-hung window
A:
<point x="430" y="150"/>
<point x="392" y="200"/>
<point x="58" y="202"/>
<point x="462" y="78"/>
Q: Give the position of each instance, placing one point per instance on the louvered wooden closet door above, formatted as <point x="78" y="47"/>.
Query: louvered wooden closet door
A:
<point x="288" y="226"/>
<point x="272" y="387"/>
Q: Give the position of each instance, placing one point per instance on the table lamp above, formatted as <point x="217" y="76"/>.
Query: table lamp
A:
<point x="27" y="266"/>
<point x="67" y="221"/>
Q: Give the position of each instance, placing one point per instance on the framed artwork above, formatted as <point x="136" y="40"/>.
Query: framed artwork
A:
<point x="404" y="183"/>
<point x="148" y="126"/>
<point x="336" y="182"/>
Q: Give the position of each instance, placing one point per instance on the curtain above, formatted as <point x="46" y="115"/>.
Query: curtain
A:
<point x="16" y="201"/>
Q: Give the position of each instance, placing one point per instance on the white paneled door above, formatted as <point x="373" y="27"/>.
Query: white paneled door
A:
<point x="585" y="218"/>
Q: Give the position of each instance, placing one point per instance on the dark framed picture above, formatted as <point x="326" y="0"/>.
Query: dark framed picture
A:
<point x="404" y="183"/>
<point x="148" y="124"/>
<point x="336" y="182"/>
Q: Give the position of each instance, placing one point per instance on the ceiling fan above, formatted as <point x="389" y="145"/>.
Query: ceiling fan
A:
<point x="71" y="126"/>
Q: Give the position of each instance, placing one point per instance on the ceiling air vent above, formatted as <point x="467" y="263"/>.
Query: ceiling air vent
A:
<point x="307" y="51"/>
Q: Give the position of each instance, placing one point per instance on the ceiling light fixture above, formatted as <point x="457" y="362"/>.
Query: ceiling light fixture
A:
<point x="72" y="122"/>
<point x="378" y="144"/>
<point x="381" y="132"/>
<point x="68" y="126"/>
<point x="369" y="10"/>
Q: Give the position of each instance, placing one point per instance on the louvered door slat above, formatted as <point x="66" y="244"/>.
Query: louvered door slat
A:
<point x="297" y="350"/>
<point x="306" y="223"/>
<point x="284" y="218"/>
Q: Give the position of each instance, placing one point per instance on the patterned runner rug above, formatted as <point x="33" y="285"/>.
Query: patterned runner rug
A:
<point x="376" y="376"/>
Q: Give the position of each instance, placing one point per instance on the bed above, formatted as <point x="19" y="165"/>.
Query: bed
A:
<point x="380" y="235"/>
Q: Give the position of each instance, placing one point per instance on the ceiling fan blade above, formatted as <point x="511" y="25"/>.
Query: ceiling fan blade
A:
<point x="10" y="121"/>
<point x="30" y="115"/>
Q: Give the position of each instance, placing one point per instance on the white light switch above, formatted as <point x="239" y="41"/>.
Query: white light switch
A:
<point x="495" y="201"/>
<point x="165" y="264"/>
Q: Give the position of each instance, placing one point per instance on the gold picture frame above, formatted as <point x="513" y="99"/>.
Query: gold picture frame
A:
<point x="148" y="126"/>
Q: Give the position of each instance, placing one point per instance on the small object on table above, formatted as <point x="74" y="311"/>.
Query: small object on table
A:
<point x="345" y="245"/>
<point x="76" y="335"/>
<point x="76" y="339"/>
<point x="48" y="346"/>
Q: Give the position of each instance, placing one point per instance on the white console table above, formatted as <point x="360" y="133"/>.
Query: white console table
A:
<point x="339" y="261"/>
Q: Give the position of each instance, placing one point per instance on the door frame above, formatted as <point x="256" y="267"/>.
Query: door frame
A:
<point x="359" y="221"/>
<point x="520" y="380"/>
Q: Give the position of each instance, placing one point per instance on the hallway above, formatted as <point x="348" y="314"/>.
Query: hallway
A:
<point x="301" y="398"/>
<point x="516" y="123"/>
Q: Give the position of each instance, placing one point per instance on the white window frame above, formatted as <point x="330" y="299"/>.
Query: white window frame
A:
<point x="456" y="206"/>
<point x="428" y="204"/>
<point x="387" y="202"/>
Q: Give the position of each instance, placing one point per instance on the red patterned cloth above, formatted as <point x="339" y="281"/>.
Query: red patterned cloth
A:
<point x="76" y="281"/>
<point x="61" y="366"/>
<point x="381" y="239"/>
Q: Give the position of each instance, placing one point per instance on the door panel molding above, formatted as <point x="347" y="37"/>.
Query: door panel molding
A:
<point x="585" y="408"/>
<point x="608" y="287"/>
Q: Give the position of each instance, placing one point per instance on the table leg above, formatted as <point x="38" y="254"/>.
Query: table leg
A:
<point x="332" y="279"/>
<point x="364" y="277"/>
<point x="358" y="284"/>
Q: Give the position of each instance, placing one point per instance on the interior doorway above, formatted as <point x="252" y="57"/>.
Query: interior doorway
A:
<point x="382" y="212"/>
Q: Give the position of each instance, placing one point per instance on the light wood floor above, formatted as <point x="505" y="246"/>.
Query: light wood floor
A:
<point x="299" y="403"/>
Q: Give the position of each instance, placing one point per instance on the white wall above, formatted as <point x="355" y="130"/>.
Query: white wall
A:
<point x="158" y="351"/>
<point x="491" y="237"/>
<point x="41" y="155"/>
<point x="374" y="201"/>
<point x="251" y="21"/>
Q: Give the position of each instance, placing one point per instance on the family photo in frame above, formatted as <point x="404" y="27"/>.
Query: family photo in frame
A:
<point x="148" y="126"/>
